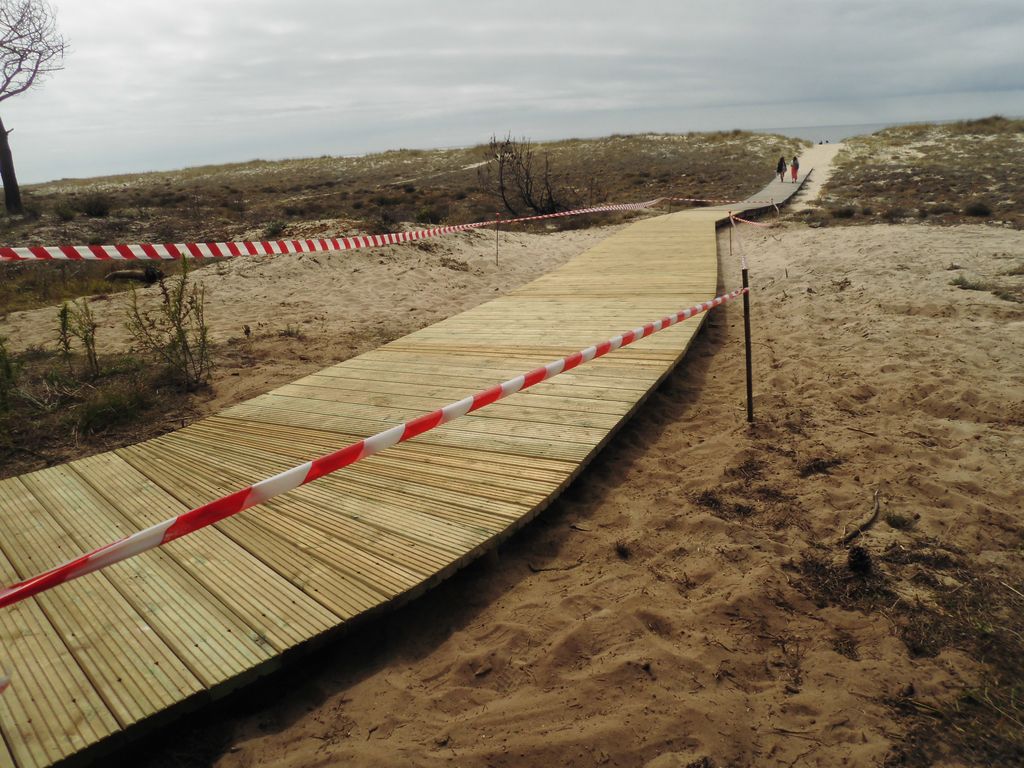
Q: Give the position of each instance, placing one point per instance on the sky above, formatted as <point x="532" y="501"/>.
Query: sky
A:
<point x="157" y="85"/>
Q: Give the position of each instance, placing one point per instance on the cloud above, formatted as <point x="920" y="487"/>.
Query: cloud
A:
<point x="155" y="85"/>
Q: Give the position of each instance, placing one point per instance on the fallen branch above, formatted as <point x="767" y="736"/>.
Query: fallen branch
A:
<point x="149" y="275"/>
<point x="866" y="524"/>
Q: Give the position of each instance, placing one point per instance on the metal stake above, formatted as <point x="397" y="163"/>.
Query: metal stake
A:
<point x="746" y="340"/>
<point x="746" y="326"/>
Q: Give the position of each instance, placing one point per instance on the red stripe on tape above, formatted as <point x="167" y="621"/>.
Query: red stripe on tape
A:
<point x="208" y="514"/>
<point x="572" y="361"/>
<point x="488" y="396"/>
<point x="421" y="424"/>
<point x="334" y="461"/>
<point x="534" y="376"/>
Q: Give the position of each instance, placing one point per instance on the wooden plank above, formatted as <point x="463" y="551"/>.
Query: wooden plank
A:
<point x="280" y="614"/>
<point x="209" y="638"/>
<point x="51" y="710"/>
<point x="132" y="669"/>
<point x="338" y="592"/>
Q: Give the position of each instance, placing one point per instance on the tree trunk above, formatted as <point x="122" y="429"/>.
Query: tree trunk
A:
<point x="12" y="193"/>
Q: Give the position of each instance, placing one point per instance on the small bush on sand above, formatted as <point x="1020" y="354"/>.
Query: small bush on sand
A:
<point x="429" y="215"/>
<point x="176" y="333"/>
<point x="960" y="281"/>
<point x="82" y="325"/>
<point x="96" y="205"/>
<point x="64" y="211"/>
<point x="894" y="214"/>
<point x="978" y="208"/>
<point x="273" y="229"/>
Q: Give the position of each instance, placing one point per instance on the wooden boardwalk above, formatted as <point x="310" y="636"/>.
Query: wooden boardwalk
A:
<point x="99" y="657"/>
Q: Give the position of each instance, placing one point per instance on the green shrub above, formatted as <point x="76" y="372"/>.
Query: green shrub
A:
<point x="64" y="211"/>
<point x="82" y="325"/>
<point x="273" y="229"/>
<point x="846" y="212"/>
<point x="176" y="333"/>
<point x="960" y="281"/>
<point x="429" y="215"/>
<point x="96" y="205"/>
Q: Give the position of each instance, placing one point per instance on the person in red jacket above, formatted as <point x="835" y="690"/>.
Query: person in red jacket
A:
<point x="794" y="168"/>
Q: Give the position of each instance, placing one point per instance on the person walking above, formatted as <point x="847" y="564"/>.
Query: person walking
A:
<point x="780" y="168"/>
<point x="794" y="168"/>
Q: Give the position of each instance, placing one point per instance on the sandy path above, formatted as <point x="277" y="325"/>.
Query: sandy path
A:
<point x="657" y="615"/>
<point x="819" y="158"/>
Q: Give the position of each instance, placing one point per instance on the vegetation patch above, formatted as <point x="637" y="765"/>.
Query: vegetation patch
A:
<point x="944" y="174"/>
<point x="56" y="409"/>
<point x="979" y="611"/>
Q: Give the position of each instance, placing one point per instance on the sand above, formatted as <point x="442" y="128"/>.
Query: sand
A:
<point x="308" y="311"/>
<point x="657" y="614"/>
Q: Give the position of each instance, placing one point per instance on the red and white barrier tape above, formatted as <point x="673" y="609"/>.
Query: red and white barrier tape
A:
<point x="229" y="505"/>
<point x="719" y="202"/>
<point x="752" y="223"/>
<point x="739" y="242"/>
<point x="173" y="251"/>
<point x="166" y="251"/>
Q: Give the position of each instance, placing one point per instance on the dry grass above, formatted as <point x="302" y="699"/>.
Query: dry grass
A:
<point x="57" y="410"/>
<point x="978" y="610"/>
<point x="946" y="174"/>
<point x="958" y="604"/>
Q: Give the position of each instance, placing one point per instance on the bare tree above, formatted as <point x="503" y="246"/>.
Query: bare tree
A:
<point x="30" y="48"/>
<point x="522" y="181"/>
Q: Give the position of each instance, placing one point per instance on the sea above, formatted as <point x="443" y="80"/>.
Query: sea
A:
<point x="829" y="133"/>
